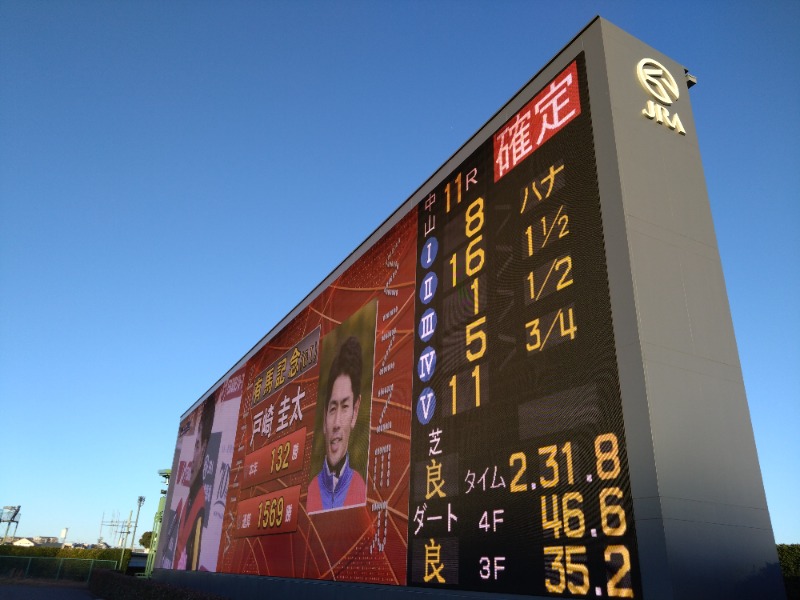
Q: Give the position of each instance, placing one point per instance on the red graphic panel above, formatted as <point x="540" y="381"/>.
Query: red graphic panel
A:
<point x="362" y="537"/>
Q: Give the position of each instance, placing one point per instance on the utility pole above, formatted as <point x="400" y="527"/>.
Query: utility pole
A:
<point x="116" y="527"/>
<point x="125" y="540"/>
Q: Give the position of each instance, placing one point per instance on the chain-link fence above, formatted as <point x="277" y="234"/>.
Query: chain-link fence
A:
<point x="70" y="569"/>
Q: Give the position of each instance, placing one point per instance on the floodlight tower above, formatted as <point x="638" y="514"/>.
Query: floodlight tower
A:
<point x="139" y="501"/>
<point x="162" y="503"/>
<point x="10" y="514"/>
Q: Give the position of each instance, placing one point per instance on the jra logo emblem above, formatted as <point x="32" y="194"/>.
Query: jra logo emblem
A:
<point x="659" y="83"/>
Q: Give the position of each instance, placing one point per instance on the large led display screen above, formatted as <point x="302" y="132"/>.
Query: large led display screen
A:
<point x="446" y="412"/>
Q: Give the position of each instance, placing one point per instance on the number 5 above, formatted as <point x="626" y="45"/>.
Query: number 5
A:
<point x="476" y="336"/>
<point x="577" y="569"/>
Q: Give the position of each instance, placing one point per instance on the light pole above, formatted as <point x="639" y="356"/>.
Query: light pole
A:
<point x="136" y="523"/>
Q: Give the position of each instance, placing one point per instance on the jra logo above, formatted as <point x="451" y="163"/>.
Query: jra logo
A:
<point x="659" y="83"/>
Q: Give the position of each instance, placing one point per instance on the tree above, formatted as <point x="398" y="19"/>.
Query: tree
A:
<point x="145" y="539"/>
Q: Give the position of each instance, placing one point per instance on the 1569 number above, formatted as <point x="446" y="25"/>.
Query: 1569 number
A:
<point x="270" y="513"/>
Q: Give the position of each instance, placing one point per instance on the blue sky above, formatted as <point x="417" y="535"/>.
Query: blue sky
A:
<point x="155" y="158"/>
